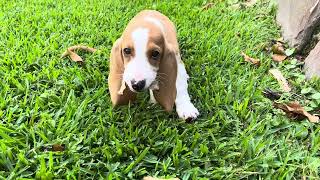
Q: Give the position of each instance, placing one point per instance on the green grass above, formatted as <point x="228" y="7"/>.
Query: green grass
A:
<point x="45" y="100"/>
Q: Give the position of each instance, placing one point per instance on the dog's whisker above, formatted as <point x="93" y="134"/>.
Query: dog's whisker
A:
<point x="162" y="74"/>
<point x="159" y="81"/>
<point x="161" y="78"/>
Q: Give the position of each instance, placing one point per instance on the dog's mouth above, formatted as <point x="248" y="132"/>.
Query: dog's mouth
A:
<point x="153" y="86"/>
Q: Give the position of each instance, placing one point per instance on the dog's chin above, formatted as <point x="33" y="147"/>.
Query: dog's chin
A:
<point x="142" y="90"/>
<point x="152" y="86"/>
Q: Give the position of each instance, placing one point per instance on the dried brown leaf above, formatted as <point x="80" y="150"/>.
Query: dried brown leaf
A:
<point x="294" y="109"/>
<point x="54" y="148"/>
<point x="278" y="57"/>
<point x="58" y="147"/>
<point x="250" y="59"/>
<point x="207" y="6"/>
<point x="278" y="48"/>
<point x="78" y="47"/>
<point x="74" y="57"/>
<point x="81" y="47"/>
<point x="282" y="81"/>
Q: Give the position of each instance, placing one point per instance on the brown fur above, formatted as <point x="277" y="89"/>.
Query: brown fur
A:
<point x="167" y="92"/>
<point x="165" y="42"/>
<point x="115" y="78"/>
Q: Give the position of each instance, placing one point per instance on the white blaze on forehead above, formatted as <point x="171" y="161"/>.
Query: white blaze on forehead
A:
<point x="156" y="22"/>
<point x="140" y="38"/>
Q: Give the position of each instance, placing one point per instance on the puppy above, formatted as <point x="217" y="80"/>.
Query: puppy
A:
<point x="147" y="57"/>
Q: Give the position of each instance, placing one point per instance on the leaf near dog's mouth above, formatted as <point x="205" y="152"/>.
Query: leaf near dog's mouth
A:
<point x="54" y="148"/>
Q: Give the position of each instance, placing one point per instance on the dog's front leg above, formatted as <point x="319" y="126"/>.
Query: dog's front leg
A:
<point x="184" y="106"/>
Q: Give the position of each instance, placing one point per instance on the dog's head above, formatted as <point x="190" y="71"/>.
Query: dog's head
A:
<point x="143" y="49"/>
<point x="144" y="58"/>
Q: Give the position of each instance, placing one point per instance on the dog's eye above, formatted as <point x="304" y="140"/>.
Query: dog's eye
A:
<point x="127" y="51"/>
<point x="155" y="55"/>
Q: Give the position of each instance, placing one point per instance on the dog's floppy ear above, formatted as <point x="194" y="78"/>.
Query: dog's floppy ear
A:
<point x="116" y="77"/>
<point x="167" y="92"/>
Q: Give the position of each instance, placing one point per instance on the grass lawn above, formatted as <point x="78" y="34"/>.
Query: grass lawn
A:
<point x="46" y="101"/>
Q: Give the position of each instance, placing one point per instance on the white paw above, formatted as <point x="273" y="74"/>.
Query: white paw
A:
<point x="187" y="111"/>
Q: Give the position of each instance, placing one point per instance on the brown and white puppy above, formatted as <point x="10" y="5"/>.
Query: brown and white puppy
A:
<point x="147" y="56"/>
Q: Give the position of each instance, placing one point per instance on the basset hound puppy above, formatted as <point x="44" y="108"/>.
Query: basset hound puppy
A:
<point x="147" y="57"/>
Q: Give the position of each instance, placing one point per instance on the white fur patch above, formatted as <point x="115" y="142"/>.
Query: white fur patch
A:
<point x="152" y="98"/>
<point x="139" y="67"/>
<point x="156" y="22"/>
<point x="140" y="38"/>
<point x="184" y="106"/>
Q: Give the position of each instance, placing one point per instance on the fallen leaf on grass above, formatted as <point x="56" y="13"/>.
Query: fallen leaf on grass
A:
<point x="294" y="109"/>
<point x="58" y="147"/>
<point x="75" y="57"/>
<point x="279" y="52"/>
<point x="282" y="81"/>
<point x="278" y="57"/>
<point x="78" y="47"/>
<point x="250" y="59"/>
<point x="207" y="6"/>
<point x="278" y="48"/>
<point x="54" y="148"/>
<point x="152" y="178"/>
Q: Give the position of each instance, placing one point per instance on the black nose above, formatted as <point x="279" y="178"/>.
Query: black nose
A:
<point x="138" y="86"/>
